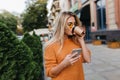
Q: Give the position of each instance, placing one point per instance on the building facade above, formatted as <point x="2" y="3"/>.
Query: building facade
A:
<point x="100" y="17"/>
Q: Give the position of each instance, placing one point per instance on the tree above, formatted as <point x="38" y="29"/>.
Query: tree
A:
<point x="16" y="58"/>
<point x="9" y="19"/>
<point x="35" y="16"/>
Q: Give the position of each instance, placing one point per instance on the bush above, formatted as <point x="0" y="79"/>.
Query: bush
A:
<point x="16" y="58"/>
<point x="34" y="42"/>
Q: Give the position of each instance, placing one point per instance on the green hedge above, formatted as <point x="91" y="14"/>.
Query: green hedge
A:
<point x="16" y="58"/>
<point x="34" y="42"/>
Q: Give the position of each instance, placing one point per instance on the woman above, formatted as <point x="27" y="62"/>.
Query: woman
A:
<point x="60" y="63"/>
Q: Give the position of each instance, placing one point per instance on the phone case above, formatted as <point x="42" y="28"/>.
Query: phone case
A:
<point x="76" y="50"/>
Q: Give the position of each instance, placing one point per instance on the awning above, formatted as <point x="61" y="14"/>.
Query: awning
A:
<point x="41" y="31"/>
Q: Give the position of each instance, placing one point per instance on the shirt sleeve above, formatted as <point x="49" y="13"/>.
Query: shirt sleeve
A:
<point x="50" y="60"/>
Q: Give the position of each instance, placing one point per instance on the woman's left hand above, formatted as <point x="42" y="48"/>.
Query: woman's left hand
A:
<point x="81" y="37"/>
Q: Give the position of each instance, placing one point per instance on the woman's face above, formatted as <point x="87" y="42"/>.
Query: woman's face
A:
<point x="70" y="23"/>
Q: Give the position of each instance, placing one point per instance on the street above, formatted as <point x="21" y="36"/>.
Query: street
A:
<point x="105" y="63"/>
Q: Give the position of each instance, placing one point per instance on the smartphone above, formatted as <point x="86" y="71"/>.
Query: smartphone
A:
<point x="78" y="50"/>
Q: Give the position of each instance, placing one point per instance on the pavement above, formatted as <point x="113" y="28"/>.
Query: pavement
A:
<point x="105" y="63"/>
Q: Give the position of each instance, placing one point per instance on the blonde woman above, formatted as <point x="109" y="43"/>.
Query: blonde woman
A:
<point x="60" y="62"/>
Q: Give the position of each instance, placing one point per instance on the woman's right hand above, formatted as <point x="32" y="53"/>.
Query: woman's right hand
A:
<point x="70" y="59"/>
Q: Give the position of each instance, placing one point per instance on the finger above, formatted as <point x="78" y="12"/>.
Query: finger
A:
<point x="74" y="61"/>
<point x="75" y="58"/>
<point x="68" y="56"/>
<point x="74" y="54"/>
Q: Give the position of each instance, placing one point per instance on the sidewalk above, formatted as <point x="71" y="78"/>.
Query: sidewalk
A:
<point x="105" y="64"/>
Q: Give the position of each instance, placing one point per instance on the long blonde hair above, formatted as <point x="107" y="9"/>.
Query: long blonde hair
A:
<point x="60" y="24"/>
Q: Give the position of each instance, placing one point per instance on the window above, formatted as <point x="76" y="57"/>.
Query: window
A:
<point x="101" y="14"/>
<point x="83" y="1"/>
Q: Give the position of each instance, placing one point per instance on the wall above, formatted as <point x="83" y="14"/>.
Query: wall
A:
<point x="110" y="9"/>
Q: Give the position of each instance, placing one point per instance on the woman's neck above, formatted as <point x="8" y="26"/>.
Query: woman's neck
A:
<point x="68" y="37"/>
<point x="65" y="37"/>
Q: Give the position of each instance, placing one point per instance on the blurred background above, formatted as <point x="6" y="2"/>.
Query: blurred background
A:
<point x="26" y="25"/>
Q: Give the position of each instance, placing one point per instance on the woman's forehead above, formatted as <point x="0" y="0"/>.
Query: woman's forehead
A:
<point x="71" y="19"/>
